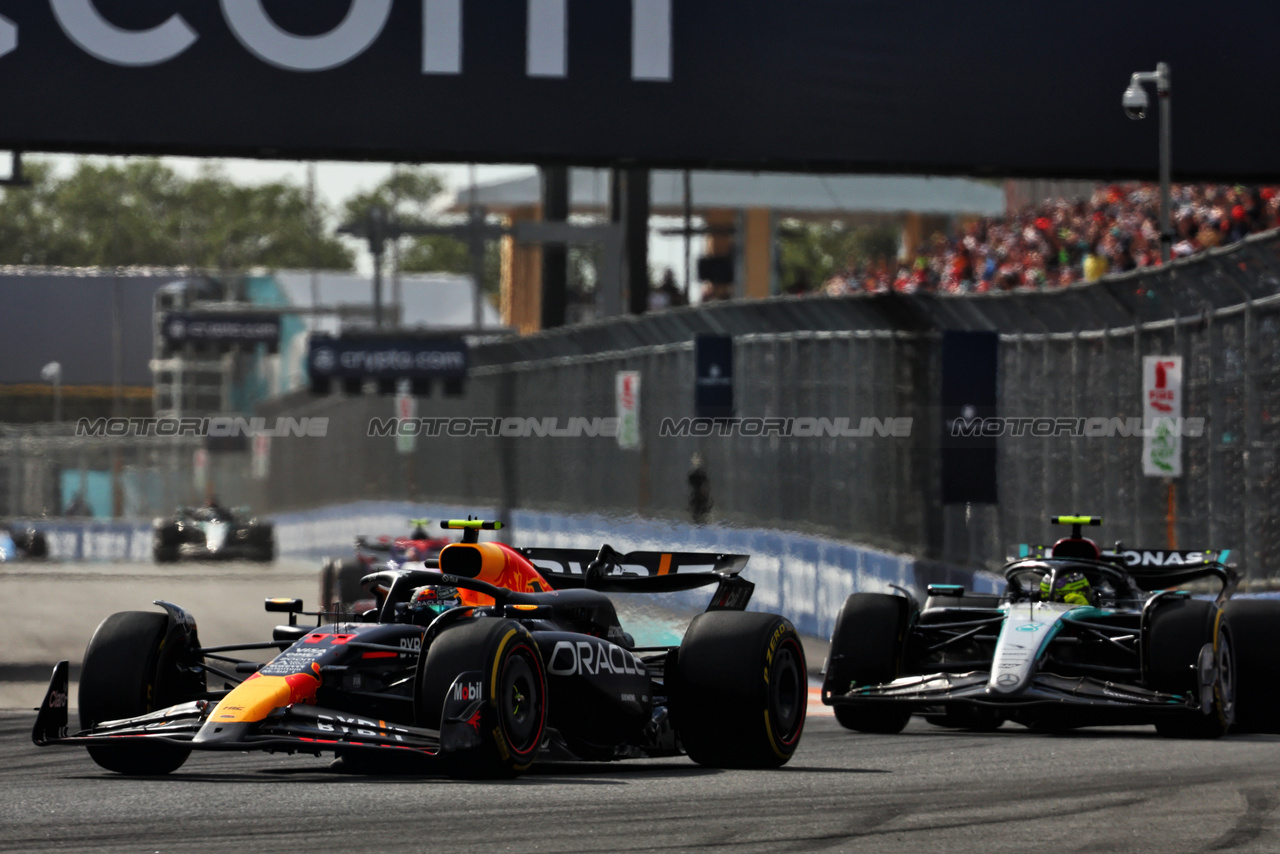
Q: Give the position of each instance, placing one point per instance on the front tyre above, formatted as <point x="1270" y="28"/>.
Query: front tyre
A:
<point x="166" y="542"/>
<point x="131" y="667"/>
<point x="263" y="539"/>
<point x="1186" y="640"/>
<point x="740" y="690"/>
<point x="867" y="647"/>
<point x="1255" y="631"/>
<point x="38" y="545"/>
<point x="512" y="715"/>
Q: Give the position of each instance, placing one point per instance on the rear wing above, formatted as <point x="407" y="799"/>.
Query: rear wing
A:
<point x="645" y="572"/>
<point x="1156" y="569"/>
<point x="1136" y="558"/>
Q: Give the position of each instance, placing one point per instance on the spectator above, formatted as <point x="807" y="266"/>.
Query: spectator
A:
<point x="674" y="295"/>
<point x="1063" y="241"/>
<point x="78" y="507"/>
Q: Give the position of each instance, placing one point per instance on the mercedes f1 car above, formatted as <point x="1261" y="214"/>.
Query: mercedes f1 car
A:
<point x="21" y="541"/>
<point x="1081" y="637"/>
<point x="484" y="661"/>
<point x="212" y="532"/>
<point x="340" y="588"/>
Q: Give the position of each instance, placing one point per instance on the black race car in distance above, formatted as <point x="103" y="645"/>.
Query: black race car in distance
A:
<point x="480" y="662"/>
<point x="212" y="532"/>
<point x="19" y="541"/>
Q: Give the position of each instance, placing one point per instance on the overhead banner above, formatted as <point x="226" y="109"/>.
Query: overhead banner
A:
<point x="386" y="358"/>
<point x="883" y="86"/>
<point x="1162" y="416"/>
<point x="179" y="328"/>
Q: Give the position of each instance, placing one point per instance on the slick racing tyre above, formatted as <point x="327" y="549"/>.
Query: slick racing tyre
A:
<point x="740" y="690"/>
<point x="1179" y="633"/>
<point x="33" y="543"/>
<point x="340" y="583"/>
<point x="512" y="714"/>
<point x="1255" y="629"/>
<point x="131" y="667"/>
<point x="262" y="539"/>
<point x="165" y="541"/>
<point x="866" y="649"/>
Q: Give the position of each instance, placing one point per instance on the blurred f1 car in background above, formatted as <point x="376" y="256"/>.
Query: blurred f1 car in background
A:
<point x="483" y="661"/>
<point x="19" y="541"/>
<point x="212" y="532"/>
<point x="1081" y="637"/>
<point x="340" y="589"/>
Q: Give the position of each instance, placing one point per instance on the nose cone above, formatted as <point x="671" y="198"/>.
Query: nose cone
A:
<point x="252" y="700"/>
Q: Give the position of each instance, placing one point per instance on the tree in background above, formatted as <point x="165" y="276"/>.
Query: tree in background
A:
<point x="412" y="196"/>
<point x="142" y="213"/>
<point x="810" y="253"/>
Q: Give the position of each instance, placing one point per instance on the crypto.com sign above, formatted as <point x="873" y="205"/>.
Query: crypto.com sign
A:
<point x="254" y="28"/>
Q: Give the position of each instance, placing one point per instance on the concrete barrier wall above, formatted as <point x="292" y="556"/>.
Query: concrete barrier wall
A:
<point x="803" y="577"/>
<point x="90" y="540"/>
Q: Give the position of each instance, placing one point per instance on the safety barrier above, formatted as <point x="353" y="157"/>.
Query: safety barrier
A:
<point x="802" y="577"/>
<point x="805" y="578"/>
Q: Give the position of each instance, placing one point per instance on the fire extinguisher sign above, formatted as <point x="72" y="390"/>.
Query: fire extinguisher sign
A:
<point x="1162" y="416"/>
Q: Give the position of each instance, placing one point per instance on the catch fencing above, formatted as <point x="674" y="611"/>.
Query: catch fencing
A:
<point x="1076" y="352"/>
<point x="47" y="471"/>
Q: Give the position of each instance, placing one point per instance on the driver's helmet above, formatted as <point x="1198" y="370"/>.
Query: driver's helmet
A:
<point x="1071" y="587"/>
<point x="431" y="601"/>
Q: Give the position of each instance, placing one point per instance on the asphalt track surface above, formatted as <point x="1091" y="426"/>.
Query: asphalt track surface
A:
<point x="926" y="790"/>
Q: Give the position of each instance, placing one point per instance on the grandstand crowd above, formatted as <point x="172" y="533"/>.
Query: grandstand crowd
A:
<point x="1064" y="241"/>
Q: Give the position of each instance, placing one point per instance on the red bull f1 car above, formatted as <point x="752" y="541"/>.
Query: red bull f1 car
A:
<point x="483" y="661"/>
<point x="1081" y="637"/>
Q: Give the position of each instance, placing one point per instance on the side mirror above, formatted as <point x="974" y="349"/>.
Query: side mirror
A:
<point x="288" y="606"/>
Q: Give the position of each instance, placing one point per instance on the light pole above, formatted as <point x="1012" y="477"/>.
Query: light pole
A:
<point x="1135" y="105"/>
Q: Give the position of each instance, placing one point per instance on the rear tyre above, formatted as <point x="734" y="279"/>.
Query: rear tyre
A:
<point x="1178" y="634"/>
<point x="866" y="649"/>
<point x="1255" y="631"/>
<point x="132" y="666"/>
<point x="37" y="546"/>
<point x="263" y="538"/>
<point x="740" y="691"/>
<point x="165" y="541"/>
<point x="513" y="709"/>
<point x="328" y="578"/>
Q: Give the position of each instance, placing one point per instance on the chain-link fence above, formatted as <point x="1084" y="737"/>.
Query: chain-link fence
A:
<point x="1071" y="353"/>
<point x="49" y="471"/>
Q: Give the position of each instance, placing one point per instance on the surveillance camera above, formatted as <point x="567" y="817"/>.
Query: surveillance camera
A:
<point x="1135" y="102"/>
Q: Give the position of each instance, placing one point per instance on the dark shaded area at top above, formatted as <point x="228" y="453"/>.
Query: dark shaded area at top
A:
<point x="997" y="88"/>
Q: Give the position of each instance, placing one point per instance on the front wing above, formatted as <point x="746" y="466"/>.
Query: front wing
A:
<point x="298" y="728"/>
<point x="1045" y="688"/>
